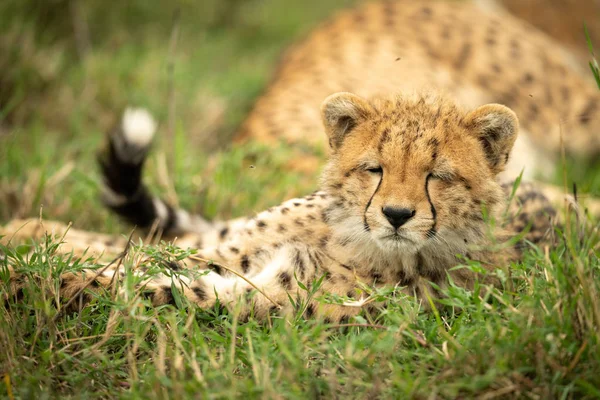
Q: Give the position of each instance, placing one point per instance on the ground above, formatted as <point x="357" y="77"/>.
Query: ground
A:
<point x="538" y="338"/>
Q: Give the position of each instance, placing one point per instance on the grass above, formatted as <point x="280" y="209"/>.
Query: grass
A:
<point x="538" y="340"/>
<point x="593" y="63"/>
<point x="60" y="92"/>
<point x="59" y="112"/>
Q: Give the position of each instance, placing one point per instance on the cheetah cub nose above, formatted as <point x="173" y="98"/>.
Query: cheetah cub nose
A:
<point x="397" y="216"/>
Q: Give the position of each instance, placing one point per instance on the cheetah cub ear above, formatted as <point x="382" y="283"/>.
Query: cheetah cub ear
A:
<point x="341" y="113"/>
<point x="496" y="127"/>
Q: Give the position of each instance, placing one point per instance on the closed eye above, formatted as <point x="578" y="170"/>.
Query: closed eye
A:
<point x="443" y="176"/>
<point x="375" y="170"/>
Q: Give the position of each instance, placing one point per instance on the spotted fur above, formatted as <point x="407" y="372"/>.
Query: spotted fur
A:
<point x="421" y="153"/>
<point x="472" y="53"/>
<point x="412" y="181"/>
<point x="121" y="163"/>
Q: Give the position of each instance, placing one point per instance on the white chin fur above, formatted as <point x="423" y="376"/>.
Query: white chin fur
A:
<point x="138" y="126"/>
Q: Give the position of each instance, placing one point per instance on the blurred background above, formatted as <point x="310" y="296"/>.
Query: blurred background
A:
<point x="69" y="67"/>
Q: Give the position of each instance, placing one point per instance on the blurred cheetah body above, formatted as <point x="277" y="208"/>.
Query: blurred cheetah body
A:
<point x="410" y="46"/>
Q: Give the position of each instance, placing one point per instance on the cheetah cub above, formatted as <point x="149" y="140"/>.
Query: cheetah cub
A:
<point x="407" y="193"/>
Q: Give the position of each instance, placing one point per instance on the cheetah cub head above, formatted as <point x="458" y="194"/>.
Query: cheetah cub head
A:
<point x="408" y="173"/>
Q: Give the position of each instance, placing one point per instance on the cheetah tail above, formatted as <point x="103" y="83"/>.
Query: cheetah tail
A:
<point x="121" y="163"/>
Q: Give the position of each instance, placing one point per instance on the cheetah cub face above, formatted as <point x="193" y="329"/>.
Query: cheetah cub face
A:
<point x="414" y="172"/>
